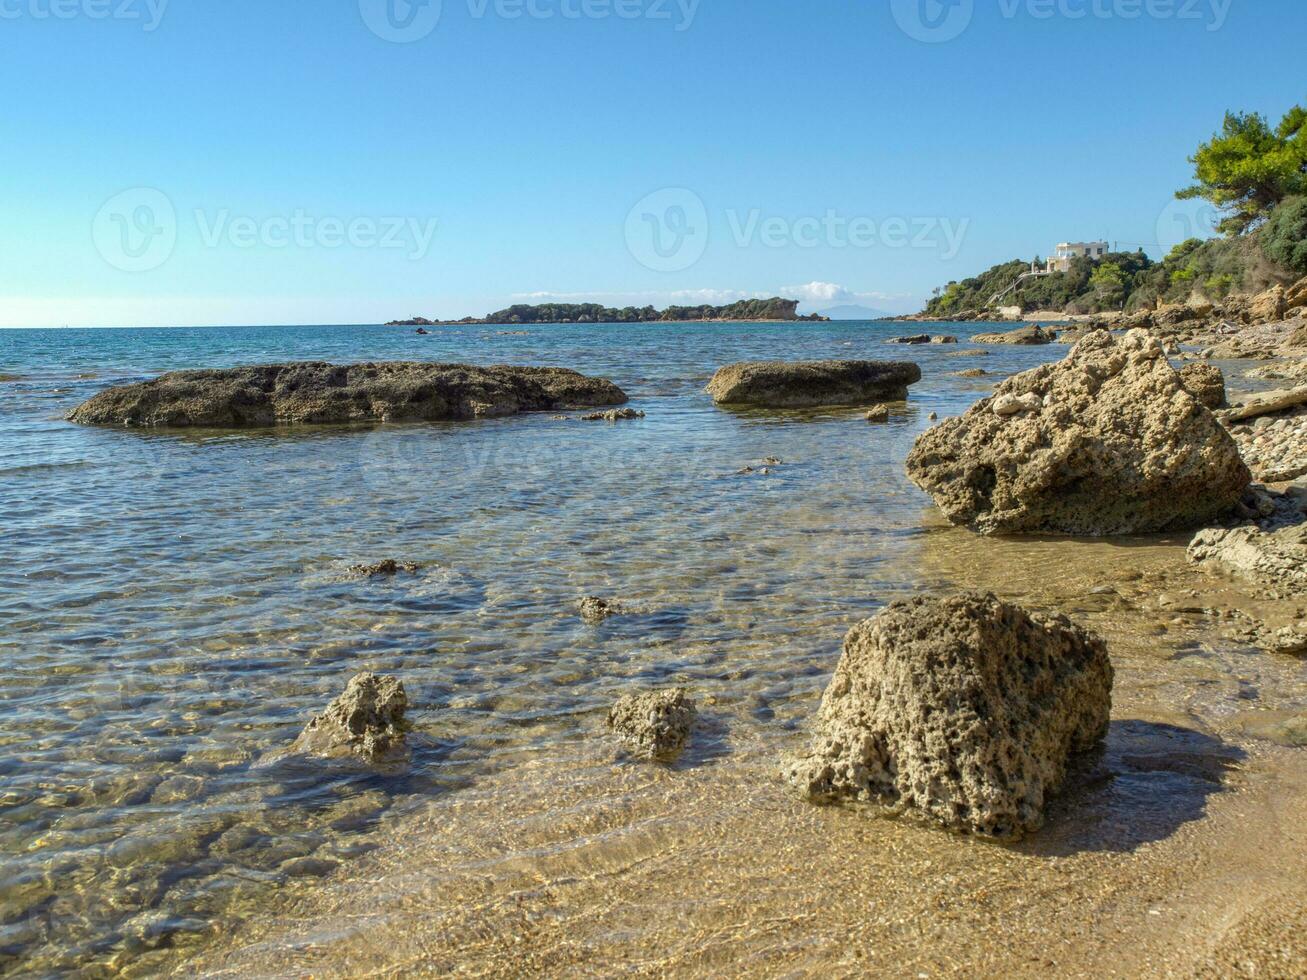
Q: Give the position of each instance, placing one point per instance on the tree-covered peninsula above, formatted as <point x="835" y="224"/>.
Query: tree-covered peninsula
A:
<point x="774" y="309"/>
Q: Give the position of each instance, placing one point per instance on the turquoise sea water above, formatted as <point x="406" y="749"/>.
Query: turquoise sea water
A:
<point x="175" y="605"/>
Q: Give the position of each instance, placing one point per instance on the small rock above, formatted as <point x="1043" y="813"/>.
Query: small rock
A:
<point x="654" y="724"/>
<point x="366" y="721"/>
<point x="385" y="569"/>
<point x="972" y="373"/>
<point x="878" y="413"/>
<point x="309" y="867"/>
<point x="595" y="610"/>
<point x="613" y="415"/>
<point x="933" y="416"/>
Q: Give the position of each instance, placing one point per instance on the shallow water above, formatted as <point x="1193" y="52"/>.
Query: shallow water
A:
<point x="174" y="606"/>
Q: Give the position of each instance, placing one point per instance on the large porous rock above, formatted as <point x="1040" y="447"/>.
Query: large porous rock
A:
<point x="1025" y="336"/>
<point x="315" y="392"/>
<point x="654" y="724"/>
<point x="367" y="721"/>
<point x="963" y="708"/>
<point x="1205" y="382"/>
<point x="1274" y="558"/>
<point x="1107" y="441"/>
<point x="806" y="384"/>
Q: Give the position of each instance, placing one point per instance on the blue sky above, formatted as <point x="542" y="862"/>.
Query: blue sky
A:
<point x="177" y="162"/>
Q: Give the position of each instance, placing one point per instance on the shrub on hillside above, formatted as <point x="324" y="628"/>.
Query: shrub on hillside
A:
<point x="1284" y="238"/>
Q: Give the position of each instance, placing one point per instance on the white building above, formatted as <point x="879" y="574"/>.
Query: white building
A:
<point x="1060" y="260"/>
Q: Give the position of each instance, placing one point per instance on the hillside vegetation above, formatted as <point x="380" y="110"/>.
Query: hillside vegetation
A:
<point x="1254" y="173"/>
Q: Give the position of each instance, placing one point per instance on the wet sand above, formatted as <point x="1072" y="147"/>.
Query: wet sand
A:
<point x="1180" y="851"/>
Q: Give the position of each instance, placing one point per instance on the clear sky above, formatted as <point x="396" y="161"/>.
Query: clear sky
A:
<point x="352" y="161"/>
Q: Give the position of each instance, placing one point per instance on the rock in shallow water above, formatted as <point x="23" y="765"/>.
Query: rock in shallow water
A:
<point x="366" y="721"/>
<point x="809" y="384"/>
<point x="385" y="568"/>
<point x="963" y="708"/>
<point x="594" y="609"/>
<point x="1273" y="558"/>
<point x="614" y="415"/>
<point x="654" y="724"/>
<point x="313" y="392"/>
<point x="1107" y="441"/>
<point x="1033" y="335"/>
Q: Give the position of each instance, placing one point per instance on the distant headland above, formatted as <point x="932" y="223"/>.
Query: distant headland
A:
<point x="774" y="309"/>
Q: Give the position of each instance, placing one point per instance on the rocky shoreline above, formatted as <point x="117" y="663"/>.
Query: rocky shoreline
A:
<point x="963" y="709"/>
<point x="1110" y="441"/>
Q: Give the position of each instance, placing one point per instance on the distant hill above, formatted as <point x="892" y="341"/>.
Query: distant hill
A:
<point x="853" y="313"/>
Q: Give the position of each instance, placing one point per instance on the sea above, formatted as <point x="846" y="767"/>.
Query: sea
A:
<point x="176" y="605"/>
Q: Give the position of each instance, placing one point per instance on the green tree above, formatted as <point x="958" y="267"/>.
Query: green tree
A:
<point x="1284" y="239"/>
<point x="1108" y="282"/>
<point x="1248" y="168"/>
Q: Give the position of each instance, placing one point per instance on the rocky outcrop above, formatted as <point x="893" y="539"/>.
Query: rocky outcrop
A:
<point x="654" y="724"/>
<point x="1107" y="441"/>
<point x="315" y="392"/>
<point x="808" y="384"/>
<point x="1025" y="336"/>
<point x="1205" y="382"/>
<point x="1274" y="558"/>
<point x="964" y="709"/>
<point x="1295" y="297"/>
<point x="366" y="721"/>
<point x="1267" y="306"/>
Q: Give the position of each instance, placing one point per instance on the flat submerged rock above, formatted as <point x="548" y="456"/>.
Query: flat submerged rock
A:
<point x="314" y="392"/>
<point x="809" y="384"/>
